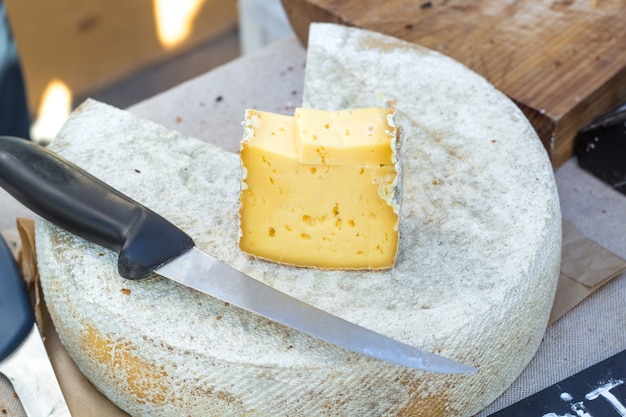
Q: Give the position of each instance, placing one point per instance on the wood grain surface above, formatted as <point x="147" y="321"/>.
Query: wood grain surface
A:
<point x="562" y="61"/>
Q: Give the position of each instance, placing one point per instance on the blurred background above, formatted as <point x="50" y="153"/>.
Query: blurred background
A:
<point x="122" y="52"/>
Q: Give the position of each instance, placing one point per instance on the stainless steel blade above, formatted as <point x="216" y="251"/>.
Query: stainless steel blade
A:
<point x="204" y="273"/>
<point x="31" y="374"/>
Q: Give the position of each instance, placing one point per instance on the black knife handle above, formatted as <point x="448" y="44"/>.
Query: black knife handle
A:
<point x="73" y="199"/>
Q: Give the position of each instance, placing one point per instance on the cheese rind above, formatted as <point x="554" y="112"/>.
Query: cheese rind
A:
<point x="339" y="215"/>
<point x="474" y="278"/>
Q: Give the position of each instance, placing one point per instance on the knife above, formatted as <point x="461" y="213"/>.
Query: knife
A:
<point x="23" y="357"/>
<point x="146" y="243"/>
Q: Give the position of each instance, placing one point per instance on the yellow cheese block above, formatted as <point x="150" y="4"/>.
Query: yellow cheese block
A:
<point x="319" y="188"/>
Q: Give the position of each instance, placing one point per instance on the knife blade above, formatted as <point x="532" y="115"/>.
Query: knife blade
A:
<point x="147" y="243"/>
<point x="23" y="357"/>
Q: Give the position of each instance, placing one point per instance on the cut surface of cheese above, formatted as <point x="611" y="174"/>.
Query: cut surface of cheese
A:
<point x="353" y="136"/>
<point x="474" y="279"/>
<point x="312" y="196"/>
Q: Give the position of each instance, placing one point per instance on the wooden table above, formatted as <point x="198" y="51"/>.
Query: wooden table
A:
<point x="563" y="61"/>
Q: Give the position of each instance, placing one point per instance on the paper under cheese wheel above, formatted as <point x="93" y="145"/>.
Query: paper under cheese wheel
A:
<point x="474" y="278"/>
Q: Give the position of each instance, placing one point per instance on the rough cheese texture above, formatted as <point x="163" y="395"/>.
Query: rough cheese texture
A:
<point x="474" y="279"/>
<point x="319" y="188"/>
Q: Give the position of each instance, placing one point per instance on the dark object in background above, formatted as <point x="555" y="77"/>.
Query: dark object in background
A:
<point x="601" y="148"/>
<point x="14" y="117"/>
<point x="598" y="391"/>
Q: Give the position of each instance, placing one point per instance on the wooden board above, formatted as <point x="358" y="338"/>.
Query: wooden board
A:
<point x="89" y="44"/>
<point x="561" y="61"/>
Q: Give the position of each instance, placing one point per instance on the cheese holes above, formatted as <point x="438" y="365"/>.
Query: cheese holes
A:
<point x="272" y="232"/>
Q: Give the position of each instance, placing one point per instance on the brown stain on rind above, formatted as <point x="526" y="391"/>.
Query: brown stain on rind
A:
<point x="425" y="405"/>
<point x="389" y="45"/>
<point x="144" y="380"/>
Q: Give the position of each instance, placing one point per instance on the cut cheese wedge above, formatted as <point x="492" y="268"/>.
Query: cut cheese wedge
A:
<point x="320" y="189"/>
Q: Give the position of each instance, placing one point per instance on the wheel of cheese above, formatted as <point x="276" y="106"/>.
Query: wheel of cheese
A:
<point x="475" y="276"/>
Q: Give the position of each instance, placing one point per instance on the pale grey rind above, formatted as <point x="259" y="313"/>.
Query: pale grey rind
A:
<point x="474" y="280"/>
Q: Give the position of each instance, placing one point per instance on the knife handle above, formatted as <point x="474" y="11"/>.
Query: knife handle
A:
<point x="16" y="313"/>
<point x="75" y="200"/>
